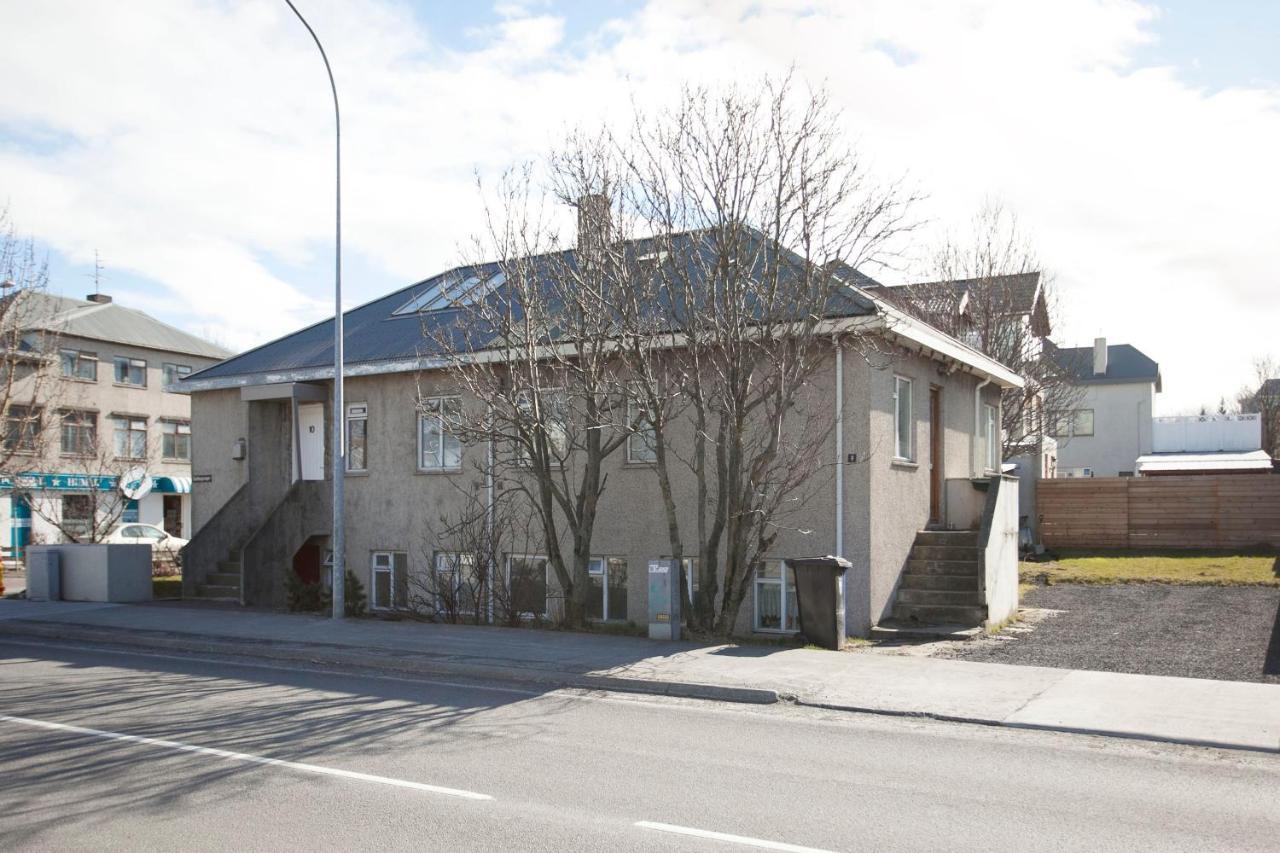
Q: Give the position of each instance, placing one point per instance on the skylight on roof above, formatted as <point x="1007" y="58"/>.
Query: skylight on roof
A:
<point x="455" y="290"/>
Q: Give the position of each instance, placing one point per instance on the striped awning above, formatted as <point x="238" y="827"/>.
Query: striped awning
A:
<point x="172" y="485"/>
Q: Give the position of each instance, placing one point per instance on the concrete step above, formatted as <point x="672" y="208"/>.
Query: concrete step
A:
<point x="214" y="591"/>
<point x="944" y="552"/>
<point x="223" y="579"/>
<point x="933" y="614"/>
<point x="909" y="632"/>
<point x="968" y="582"/>
<point x="970" y="597"/>
<point x="947" y="537"/>
<point x="231" y="567"/>
<point x="960" y="568"/>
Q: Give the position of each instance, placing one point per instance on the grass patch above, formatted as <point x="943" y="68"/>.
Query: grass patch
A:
<point x="168" y="587"/>
<point x="1176" y="567"/>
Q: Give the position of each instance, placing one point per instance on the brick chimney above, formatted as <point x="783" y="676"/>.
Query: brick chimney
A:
<point x="594" y="226"/>
<point x="100" y="298"/>
<point x="1099" y="356"/>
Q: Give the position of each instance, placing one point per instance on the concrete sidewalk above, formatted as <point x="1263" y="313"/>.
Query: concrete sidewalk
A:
<point x="1179" y="710"/>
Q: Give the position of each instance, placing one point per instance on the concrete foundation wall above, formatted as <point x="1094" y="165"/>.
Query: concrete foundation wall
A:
<point x="999" y="542"/>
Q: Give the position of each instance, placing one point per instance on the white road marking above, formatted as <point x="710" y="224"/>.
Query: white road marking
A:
<point x="745" y="841"/>
<point x="246" y="757"/>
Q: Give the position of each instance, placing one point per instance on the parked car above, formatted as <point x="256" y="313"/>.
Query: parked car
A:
<point x="165" y="547"/>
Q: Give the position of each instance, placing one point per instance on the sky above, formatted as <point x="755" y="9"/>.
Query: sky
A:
<point x="189" y="143"/>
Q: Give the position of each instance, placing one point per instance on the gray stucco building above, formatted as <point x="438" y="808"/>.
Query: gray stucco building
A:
<point x="913" y="448"/>
<point x="98" y="406"/>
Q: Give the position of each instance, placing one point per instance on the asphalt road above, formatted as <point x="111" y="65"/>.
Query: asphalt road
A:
<point x="110" y="750"/>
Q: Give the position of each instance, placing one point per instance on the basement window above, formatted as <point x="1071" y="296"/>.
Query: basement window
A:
<point x="775" y="601"/>
<point x="390" y="573"/>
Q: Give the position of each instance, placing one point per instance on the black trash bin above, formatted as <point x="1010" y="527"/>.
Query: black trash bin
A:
<point x="820" y="599"/>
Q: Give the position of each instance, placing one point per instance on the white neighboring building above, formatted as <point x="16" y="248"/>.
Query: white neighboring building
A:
<point x="1112" y="424"/>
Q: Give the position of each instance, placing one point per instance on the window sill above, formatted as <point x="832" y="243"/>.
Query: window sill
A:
<point x="640" y="463"/>
<point x="65" y="454"/>
<point x="177" y="460"/>
<point x="776" y="631"/>
<point x="129" y="385"/>
<point x="362" y="472"/>
<point x="905" y="464"/>
<point x="81" y="380"/>
<point x="439" y="470"/>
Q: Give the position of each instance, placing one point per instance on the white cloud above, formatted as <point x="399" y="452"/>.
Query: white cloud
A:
<point x="192" y="143"/>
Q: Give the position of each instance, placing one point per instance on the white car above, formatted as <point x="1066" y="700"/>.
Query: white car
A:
<point x="164" y="546"/>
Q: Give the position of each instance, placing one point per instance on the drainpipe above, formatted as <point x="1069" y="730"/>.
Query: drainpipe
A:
<point x="977" y="428"/>
<point x="839" y="552"/>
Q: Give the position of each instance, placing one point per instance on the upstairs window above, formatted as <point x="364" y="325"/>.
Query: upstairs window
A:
<point x="176" y="440"/>
<point x="903" y="422"/>
<point x="174" y="373"/>
<point x="439" y="449"/>
<point x="80" y="365"/>
<point x="79" y="433"/>
<point x="130" y="371"/>
<point x="22" y="428"/>
<point x="642" y="442"/>
<point x="130" y="437"/>
<point x="357" y="437"/>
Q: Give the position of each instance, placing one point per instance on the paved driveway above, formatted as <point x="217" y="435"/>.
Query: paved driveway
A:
<point x="1230" y="633"/>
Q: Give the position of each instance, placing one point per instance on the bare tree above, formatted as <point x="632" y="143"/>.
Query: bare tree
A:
<point x="91" y="498"/>
<point x="466" y="580"/>
<point x="989" y="290"/>
<point x="1263" y="398"/>
<point x="28" y="351"/>
<point x="760" y="216"/>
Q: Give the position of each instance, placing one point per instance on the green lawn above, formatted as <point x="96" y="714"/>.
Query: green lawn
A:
<point x="1181" y="567"/>
<point x="170" y="587"/>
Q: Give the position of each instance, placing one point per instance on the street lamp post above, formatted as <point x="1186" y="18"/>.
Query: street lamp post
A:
<point x="339" y="450"/>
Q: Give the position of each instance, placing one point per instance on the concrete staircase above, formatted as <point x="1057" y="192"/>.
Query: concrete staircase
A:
<point x="222" y="584"/>
<point x="942" y="584"/>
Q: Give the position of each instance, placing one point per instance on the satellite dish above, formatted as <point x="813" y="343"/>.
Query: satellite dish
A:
<point x="135" y="484"/>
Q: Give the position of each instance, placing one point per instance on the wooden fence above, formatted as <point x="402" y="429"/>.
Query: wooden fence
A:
<point x="1220" y="511"/>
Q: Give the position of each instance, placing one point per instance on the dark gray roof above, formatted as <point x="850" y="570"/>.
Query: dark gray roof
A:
<point x="112" y="322"/>
<point x="1020" y="289"/>
<point x="374" y="332"/>
<point x="1125" y="363"/>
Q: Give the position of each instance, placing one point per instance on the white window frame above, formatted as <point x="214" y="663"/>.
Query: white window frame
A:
<point x="558" y="439"/>
<point x="177" y="429"/>
<point x="129" y="363"/>
<point x="546" y="583"/>
<point x="132" y="425"/>
<point x="784" y="599"/>
<point x="84" y="422"/>
<point x="388" y="567"/>
<point x="357" y="412"/>
<point x="991" y="437"/>
<point x="172" y="372"/>
<point x="599" y="566"/>
<point x="910" y="454"/>
<point x="643" y="435"/>
<point x="453" y="563"/>
<point x="442" y="431"/>
<point x="79" y="358"/>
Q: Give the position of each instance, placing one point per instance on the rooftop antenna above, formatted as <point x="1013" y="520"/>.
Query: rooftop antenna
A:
<point x="97" y="273"/>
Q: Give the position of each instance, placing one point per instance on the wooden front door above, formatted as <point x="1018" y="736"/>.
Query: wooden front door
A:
<point x="936" y="432"/>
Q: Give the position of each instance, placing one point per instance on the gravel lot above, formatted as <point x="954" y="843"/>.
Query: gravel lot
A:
<point x="1223" y="632"/>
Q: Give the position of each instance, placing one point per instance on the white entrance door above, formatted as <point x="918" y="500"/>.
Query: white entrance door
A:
<point x="311" y="440"/>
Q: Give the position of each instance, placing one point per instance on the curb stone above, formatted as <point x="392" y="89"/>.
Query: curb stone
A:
<point x="417" y="664"/>
<point x="318" y="653"/>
